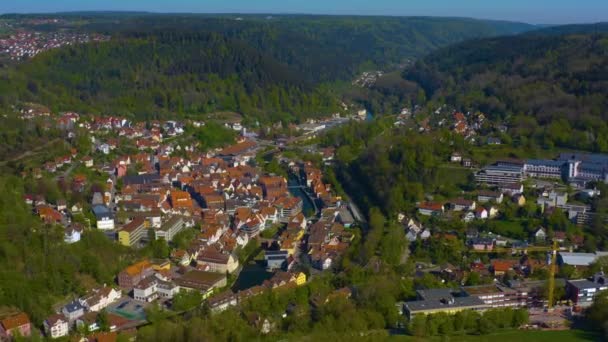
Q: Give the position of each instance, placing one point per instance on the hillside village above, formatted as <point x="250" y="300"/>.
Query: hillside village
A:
<point x="167" y="187"/>
<point x="230" y="209"/>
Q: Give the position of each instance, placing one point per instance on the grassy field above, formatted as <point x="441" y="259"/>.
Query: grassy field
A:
<point x="514" y="336"/>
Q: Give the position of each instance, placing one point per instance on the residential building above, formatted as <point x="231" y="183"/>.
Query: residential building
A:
<point x="481" y="213"/>
<point x="222" y="301"/>
<point x="104" y="217"/>
<point x="181" y="257"/>
<point x="133" y="232"/>
<point x="553" y="199"/>
<point x="72" y="311"/>
<point x="72" y="233"/>
<point x="166" y="289"/>
<point x="56" y="326"/>
<point x="146" y="290"/>
<point x="540" y="235"/>
<point x="482" y="244"/>
<point x="487" y="196"/>
<point x="89" y="322"/>
<point x="430" y="208"/>
<point x="500" y="267"/>
<point x="99" y="299"/>
<point x="456" y="157"/>
<point x="218" y="261"/>
<point x="13" y="325"/>
<point x="289" y="207"/>
<point x="511" y="188"/>
<point x="181" y="200"/>
<point x="461" y="204"/>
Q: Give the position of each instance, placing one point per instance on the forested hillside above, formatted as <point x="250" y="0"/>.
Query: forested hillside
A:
<point x="268" y="69"/>
<point x="549" y="87"/>
<point x="326" y="48"/>
<point x="166" y="73"/>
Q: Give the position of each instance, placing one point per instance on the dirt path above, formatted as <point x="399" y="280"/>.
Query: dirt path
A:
<point x="29" y="152"/>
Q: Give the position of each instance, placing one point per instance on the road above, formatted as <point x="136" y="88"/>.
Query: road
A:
<point x="67" y="171"/>
<point x="356" y="211"/>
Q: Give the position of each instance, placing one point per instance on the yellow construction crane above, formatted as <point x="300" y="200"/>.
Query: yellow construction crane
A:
<point x="552" y="275"/>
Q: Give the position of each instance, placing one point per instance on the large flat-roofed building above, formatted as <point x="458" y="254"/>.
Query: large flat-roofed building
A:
<point x="500" y="174"/>
<point x="572" y="167"/>
<point x="202" y="281"/>
<point x="133" y="232"/>
<point x="497" y="296"/>
<point x="578" y="259"/>
<point x="583" y="291"/>
<point x="168" y="229"/>
<point x="448" y="301"/>
<point x="542" y="168"/>
<point x="449" y="305"/>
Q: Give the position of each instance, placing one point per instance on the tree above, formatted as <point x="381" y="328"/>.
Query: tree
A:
<point x="520" y="317"/>
<point x="187" y="300"/>
<point x="102" y="320"/>
<point x="417" y="326"/>
<point x="598" y="312"/>
<point x="159" y="248"/>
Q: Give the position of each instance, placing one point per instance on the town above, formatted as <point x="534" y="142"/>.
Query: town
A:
<point x="217" y="200"/>
<point x="221" y="217"/>
<point x="25" y="43"/>
<point x="245" y="177"/>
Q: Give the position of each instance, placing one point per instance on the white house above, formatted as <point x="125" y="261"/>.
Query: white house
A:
<point x="99" y="299"/>
<point x="105" y="219"/>
<point x="468" y="217"/>
<point x="167" y="289"/>
<point x="411" y="236"/>
<point x="326" y="263"/>
<point x="456" y="157"/>
<point x="481" y="213"/>
<point x="540" y="234"/>
<point x="88" y="161"/>
<point x="486" y="196"/>
<point x="104" y="148"/>
<point x="425" y="234"/>
<point x="72" y="234"/>
<point x="146" y="290"/>
<point x="56" y="326"/>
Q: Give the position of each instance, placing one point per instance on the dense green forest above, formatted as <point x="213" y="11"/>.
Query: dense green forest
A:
<point x="550" y="88"/>
<point x="184" y="73"/>
<point x="286" y="68"/>
<point x="326" y="48"/>
<point x="392" y="168"/>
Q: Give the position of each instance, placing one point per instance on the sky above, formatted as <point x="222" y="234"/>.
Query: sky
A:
<point x="530" y="11"/>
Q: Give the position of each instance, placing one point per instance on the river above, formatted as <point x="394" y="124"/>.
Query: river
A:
<point x="308" y="207"/>
<point x="252" y="274"/>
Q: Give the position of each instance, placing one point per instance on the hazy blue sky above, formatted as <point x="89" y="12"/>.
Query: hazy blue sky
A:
<point x="532" y="11"/>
